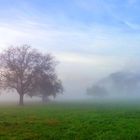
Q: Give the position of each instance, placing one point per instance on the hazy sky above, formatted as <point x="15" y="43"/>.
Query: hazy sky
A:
<point x="90" y="38"/>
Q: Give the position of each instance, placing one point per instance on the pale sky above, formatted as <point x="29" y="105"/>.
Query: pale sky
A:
<point x="90" y="38"/>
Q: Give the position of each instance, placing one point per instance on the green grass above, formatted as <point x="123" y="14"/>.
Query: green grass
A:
<point x="70" y="121"/>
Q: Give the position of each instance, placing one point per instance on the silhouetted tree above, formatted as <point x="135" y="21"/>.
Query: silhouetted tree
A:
<point x="19" y="67"/>
<point x="47" y="86"/>
<point x="47" y="83"/>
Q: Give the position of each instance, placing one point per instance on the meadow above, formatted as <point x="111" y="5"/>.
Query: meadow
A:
<point x="71" y="121"/>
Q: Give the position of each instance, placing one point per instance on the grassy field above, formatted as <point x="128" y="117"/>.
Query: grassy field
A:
<point x="70" y="121"/>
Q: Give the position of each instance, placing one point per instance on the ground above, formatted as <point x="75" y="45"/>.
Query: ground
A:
<point x="70" y="121"/>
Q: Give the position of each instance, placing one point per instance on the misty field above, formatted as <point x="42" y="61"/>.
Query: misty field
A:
<point x="70" y="121"/>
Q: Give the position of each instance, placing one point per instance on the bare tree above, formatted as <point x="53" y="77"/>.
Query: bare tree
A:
<point x="19" y="66"/>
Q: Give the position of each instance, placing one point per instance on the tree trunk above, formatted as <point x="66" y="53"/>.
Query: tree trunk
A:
<point x="21" y="103"/>
<point x="45" y="99"/>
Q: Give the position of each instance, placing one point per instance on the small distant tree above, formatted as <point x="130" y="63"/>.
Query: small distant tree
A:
<point x="97" y="91"/>
<point x="19" y="67"/>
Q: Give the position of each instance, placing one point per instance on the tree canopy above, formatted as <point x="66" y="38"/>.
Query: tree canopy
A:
<point x="28" y="71"/>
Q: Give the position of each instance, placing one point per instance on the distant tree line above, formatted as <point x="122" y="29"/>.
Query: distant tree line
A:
<point x="29" y="72"/>
<point x="120" y="83"/>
